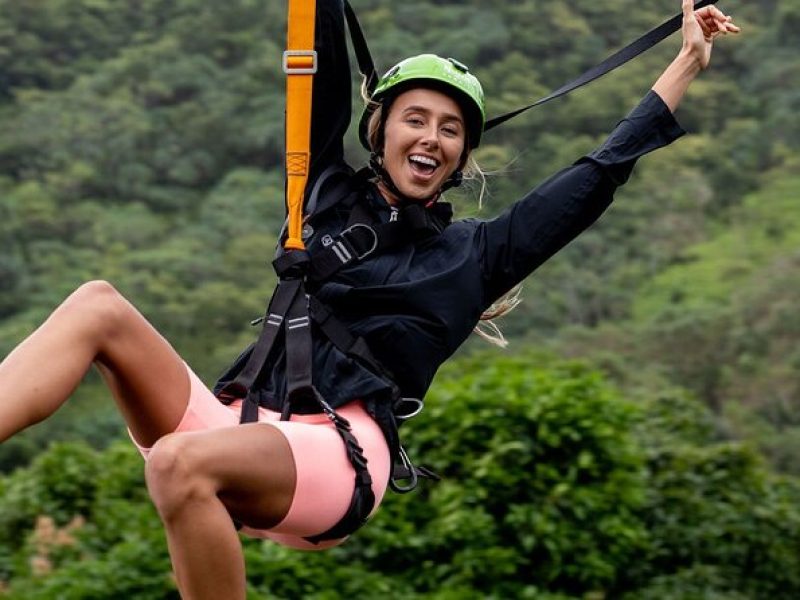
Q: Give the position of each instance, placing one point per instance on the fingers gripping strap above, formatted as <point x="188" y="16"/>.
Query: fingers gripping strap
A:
<point x="300" y="64"/>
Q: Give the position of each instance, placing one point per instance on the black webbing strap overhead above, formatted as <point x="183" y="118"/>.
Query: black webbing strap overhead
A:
<point x="647" y="41"/>
<point x="632" y="50"/>
<point x="363" y="56"/>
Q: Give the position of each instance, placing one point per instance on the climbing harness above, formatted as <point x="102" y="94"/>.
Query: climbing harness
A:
<point x="292" y="309"/>
<point x="289" y="309"/>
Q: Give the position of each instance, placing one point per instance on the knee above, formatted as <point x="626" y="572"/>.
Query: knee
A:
<point x="174" y="475"/>
<point x="100" y="305"/>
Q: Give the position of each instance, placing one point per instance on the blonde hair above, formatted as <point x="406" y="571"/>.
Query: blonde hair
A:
<point x="486" y="327"/>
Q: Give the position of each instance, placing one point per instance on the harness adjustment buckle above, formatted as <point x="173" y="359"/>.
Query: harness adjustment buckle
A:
<point x="299" y="62"/>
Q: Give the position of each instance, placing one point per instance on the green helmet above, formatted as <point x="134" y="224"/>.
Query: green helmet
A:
<point x="444" y="74"/>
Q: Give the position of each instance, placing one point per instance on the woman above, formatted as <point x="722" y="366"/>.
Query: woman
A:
<point x="414" y="306"/>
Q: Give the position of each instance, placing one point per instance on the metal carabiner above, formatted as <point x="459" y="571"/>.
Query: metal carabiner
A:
<point x="412" y="474"/>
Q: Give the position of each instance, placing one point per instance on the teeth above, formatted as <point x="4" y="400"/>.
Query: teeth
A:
<point x="423" y="160"/>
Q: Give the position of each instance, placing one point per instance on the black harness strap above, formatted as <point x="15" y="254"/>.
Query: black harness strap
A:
<point x="364" y="236"/>
<point x="242" y="387"/>
<point x="363" y="499"/>
<point x="289" y="313"/>
<point x="357" y="348"/>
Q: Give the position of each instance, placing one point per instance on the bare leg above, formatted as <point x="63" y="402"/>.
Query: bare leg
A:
<point x="188" y="481"/>
<point x="95" y="324"/>
<point x="198" y="480"/>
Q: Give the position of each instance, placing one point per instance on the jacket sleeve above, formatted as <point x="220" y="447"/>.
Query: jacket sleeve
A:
<point x="330" y="116"/>
<point x="554" y="213"/>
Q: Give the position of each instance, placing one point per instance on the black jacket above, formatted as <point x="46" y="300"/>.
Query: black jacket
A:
<point x="416" y="304"/>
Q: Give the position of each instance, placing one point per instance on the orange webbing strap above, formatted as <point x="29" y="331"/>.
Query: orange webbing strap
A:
<point x="299" y="64"/>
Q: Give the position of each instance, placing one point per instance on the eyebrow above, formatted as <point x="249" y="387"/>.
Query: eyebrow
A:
<point x="423" y="109"/>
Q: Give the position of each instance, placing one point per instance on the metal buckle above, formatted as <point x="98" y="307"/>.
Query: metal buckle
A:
<point x="300" y="70"/>
<point x="405" y="416"/>
<point x="353" y="227"/>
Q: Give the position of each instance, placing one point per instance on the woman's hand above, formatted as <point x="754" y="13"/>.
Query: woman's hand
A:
<point x="700" y="28"/>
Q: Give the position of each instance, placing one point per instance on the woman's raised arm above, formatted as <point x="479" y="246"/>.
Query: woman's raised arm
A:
<point x="332" y="98"/>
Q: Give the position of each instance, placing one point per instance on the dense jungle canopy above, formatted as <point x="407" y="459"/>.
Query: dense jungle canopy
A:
<point x="639" y="438"/>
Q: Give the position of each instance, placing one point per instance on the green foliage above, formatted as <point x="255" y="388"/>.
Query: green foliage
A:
<point x="555" y="486"/>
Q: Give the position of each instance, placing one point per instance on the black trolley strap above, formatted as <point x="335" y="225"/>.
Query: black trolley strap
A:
<point x="366" y="65"/>
<point x="632" y="50"/>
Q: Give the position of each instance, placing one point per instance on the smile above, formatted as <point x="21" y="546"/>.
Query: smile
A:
<point x="423" y="164"/>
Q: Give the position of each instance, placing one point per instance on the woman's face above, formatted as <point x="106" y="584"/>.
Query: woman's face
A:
<point x="424" y="142"/>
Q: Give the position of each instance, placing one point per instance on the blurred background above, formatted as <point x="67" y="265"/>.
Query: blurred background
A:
<point x="639" y="437"/>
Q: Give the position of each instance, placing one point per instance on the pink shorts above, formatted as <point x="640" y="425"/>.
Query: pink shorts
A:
<point x="323" y="470"/>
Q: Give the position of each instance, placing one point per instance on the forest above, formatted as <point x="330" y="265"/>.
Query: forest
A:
<point x="637" y="439"/>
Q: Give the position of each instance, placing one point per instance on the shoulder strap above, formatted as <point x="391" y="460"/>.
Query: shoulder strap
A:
<point x="632" y="50"/>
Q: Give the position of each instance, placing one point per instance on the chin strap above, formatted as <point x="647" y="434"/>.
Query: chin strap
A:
<point x="376" y="166"/>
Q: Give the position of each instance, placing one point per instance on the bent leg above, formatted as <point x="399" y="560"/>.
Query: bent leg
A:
<point x="95" y="324"/>
<point x="198" y="480"/>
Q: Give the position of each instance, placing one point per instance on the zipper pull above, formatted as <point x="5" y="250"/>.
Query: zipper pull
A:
<point x="394" y="214"/>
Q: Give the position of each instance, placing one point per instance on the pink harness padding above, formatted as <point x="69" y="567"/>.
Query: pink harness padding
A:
<point x="325" y="477"/>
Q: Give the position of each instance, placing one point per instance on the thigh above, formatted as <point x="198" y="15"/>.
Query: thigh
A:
<point x="202" y="412"/>
<point x="282" y="480"/>
<point x="325" y="478"/>
<point x="145" y="374"/>
<point x="250" y="467"/>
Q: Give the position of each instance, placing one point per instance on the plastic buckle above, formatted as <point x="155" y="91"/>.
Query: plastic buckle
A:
<point x="355" y="226"/>
<point x="291" y="56"/>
